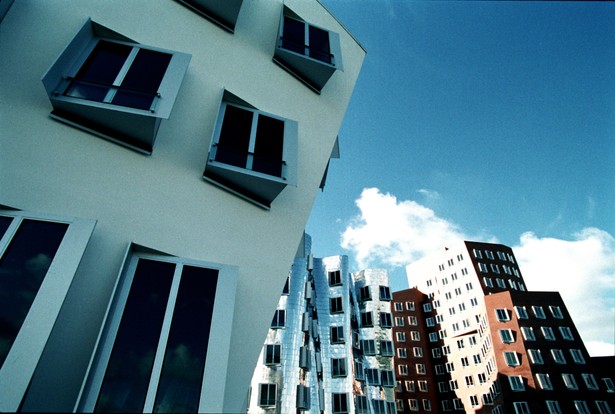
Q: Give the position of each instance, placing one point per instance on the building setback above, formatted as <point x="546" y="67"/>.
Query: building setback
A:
<point x="494" y="346"/>
<point x="158" y="163"/>
<point x="329" y="348"/>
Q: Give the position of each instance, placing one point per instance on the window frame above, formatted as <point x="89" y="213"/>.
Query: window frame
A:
<point x="35" y="331"/>
<point x="127" y="126"/>
<point x="222" y="317"/>
<point x="258" y="188"/>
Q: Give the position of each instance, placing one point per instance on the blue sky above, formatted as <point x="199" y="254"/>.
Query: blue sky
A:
<point x="490" y="121"/>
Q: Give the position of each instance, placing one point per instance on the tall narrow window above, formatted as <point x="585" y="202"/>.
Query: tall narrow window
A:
<point x="23" y="267"/>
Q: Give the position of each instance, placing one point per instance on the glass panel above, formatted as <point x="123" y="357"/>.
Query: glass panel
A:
<point x="234" y="141"/>
<point x="128" y="373"/>
<point x="319" y="45"/>
<point x="143" y="79"/>
<point x="179" y="388"/>
<point x="5" y="222"/>
<point x="269" y="145"/>
<point x="99" y="71"/>
<point x="22" y="270"/>
<point x="293" y="35"/>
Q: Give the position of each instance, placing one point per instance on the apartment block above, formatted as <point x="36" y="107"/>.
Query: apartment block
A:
<point x="493" y="346"/>
<point x="329" y="348"/>
<point x="158" y="164"/>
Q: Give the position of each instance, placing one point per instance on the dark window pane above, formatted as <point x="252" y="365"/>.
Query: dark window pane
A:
<point x="184" y="360"/>
<point x="99" y="71"/>
<point x="319" y="44"/>
<point x="234" y="141"/>
<point x="128" y="373"/>
<point x="269" y="145"/>
<point x="293" y="35"/>
<point x="5" y="222"/>
<point x="23" y="267"/>
<point x="143" y="79"/>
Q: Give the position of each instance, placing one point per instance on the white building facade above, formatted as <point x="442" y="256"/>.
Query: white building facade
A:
<point x="165" y="167"/>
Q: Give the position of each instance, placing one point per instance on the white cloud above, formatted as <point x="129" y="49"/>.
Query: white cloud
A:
<point x="390" y="233"/>
<point x="394" y="233"/>
<point x="583" y="271"/>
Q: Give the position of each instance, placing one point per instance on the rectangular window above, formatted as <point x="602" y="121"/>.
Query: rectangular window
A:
<point x="358" y="370"/>
<point x="511" y="358"/>
<point x="118" y="89"/>
<point x="361" y="404"/>
<point x="469" y="380"/>
<point x="399" y="321"/>
<point x="386" y="348"/>
<point x="558" y="356"/>
<point x="500" y="283"/>
<point x="365" y="294"/>
<point x="410" y="306"/>
<point x="420" y="369"/>
<point x="272" y="354"/>
<point x="367" y="320"/>
<point x="516" y="383"/>
<point x="385" y="293"/>
<point x="553" y="407"/>
<point x="544" y="382"/>
<point x="603" y="407"/>
<point x="340" y="403"/>
<point x="577" y="356"/>
<point x="581" y="407"/>
<point x="570" y="382"/>
<point x="535" y="356"/>
<point x="521" y="312"/>
<point x="506" y="335"/>
<point x="279" y="319"/>
<point x="335" y="305"/>
<point x="398" y="307"/>
<point x="433" y="337"/>
<point x="556" y="312"/>
<point x="386" y="320"/>
<point x="427" y="307"/>
<point x="547" y="333"/>
<point x="521" y="408"/>
<point x="502" y="315"/>
<point x="477" y="254"/>
<point x="372" y="375"/>
<point x="387" y="378"/>
<point x="415" y="335"/>
<point x="528" y="333"/>
<point x="590" y="381"/>
<point x="417" y="351"/>
<point x="566" y="333"/>
<point x="426" y="405"/>
<point x="368" y="346"/>
<point x="337" y="334"/>
<point x="487" y="282"/>
<point x="402" y="353"/>
<point x="413" y="404"/>
<point x="473" y="400"/>
<point x="539" y="312"/>
<point x="267" y="395"/>
<point x="338" y="367"/>
<point x="335" y="278"/>
<point x="401" y="336"/>
<point x="402" y="369"/>
<point x="413" y="321"/>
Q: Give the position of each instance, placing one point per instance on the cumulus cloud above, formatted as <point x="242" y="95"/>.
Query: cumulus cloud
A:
<point x="391" y="232"/>
<point x="583" y="271"/>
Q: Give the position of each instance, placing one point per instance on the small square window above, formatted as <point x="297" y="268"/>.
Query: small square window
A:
<point x="272" y="354"/>
<point x="507" y="336"/>
<point x="386" y="348"/>
<point x="337" y="334"/>
<point x="386" y="320"/>
<point x="502" y="315"/>
<point x="539" y="312"/>
<point x="512" y="359"/>
<point x="338" y="367"/>
<point x="367" y="320"/>
<point x="340" y="403"/>
<point x="544" y="381"/>
<point x="521" y="408"/>
<point x="521" y="312"/>
<point x="385" y="293"/>
<point x="279" y="319"/>
<point x="553" y="407"/>
<point x="365" y="294"/>
<point x="570" y="382"/>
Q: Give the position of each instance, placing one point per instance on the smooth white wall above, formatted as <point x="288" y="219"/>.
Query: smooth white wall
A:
<point x="160" y="201"/>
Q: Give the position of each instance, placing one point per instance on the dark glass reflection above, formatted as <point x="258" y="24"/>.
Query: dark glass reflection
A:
<point x="180" y="383"/>
<point x="234" y="141"/>
<point x="128" y="373"/>
<point x="99" y="71"/>
<point x="269" y="146"/>
<point x="5" y="222"/>
<point x="293" y="35"/>
<point x="23" y="267"/>
<point x="319" y="45"/>
<point x="141" y="83"/>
